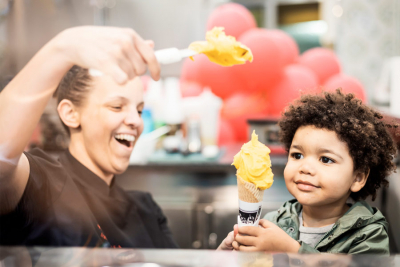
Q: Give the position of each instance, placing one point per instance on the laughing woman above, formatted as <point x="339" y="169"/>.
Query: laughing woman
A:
<point x="73" y="201"/>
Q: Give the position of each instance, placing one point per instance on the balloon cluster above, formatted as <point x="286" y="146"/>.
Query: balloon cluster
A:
<point x="265" y="87"/>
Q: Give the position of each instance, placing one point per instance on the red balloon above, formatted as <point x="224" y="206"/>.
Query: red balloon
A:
<point x="240" y="107"/>
<point x="226" y="133"/>
<point x="235" y="18"/>
<point x="348" y="85"/>
<point x="189" y="89"/>
<point x="290" y="49"/>
<point x="322" y="61"/>
<point x="267" y="66"/>
<point x="297" y="80"/>
<point x="221" y="80"/>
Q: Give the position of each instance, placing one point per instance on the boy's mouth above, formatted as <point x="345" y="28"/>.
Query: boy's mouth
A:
<point x="306" y="184"/>
<point x="125" y="139"/>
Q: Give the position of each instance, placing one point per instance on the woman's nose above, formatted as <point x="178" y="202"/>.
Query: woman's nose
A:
<point x="133" y="118"/>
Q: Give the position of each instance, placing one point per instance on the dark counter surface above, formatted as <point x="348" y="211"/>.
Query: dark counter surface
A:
<point x="40" y="256"/>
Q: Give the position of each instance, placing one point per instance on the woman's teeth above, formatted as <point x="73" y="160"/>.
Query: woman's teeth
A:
<point x="126" y="137"/>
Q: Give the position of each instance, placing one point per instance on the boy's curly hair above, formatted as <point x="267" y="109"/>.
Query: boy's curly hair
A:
<point x="359" y="126"/>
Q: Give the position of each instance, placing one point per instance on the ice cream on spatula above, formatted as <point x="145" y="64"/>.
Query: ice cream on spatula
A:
<point x="222" y="49"/>
<point x="254" y="175"/>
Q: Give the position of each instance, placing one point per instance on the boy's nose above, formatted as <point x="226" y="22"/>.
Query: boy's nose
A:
<point x="306" y="168"/>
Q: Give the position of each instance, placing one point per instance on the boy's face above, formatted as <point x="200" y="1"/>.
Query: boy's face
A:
<point x="320" y="169"/>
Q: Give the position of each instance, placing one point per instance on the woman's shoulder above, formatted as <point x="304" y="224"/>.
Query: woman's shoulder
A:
<point x="38" y="156"/>
<point x="47" y="176"/>
<point x="142" y="200"/>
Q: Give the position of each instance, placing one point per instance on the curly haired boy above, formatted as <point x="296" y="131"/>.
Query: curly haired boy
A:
<point x="338" y="148"/>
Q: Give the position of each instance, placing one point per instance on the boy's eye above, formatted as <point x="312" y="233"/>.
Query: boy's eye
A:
<point x="297" y="155"/>
<point x="326" y="160"/>
<point x="140" y="113"/>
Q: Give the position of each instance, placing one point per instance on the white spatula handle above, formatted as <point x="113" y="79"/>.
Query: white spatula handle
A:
<point x="164" y="57"/>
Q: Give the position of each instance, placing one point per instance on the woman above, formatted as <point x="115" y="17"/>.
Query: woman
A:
<point x="73" y="201"/>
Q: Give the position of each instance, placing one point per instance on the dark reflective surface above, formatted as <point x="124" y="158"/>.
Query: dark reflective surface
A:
<point x="40" y="256"/>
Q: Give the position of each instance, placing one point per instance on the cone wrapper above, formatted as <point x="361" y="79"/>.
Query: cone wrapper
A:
<point x="250" y="203"/>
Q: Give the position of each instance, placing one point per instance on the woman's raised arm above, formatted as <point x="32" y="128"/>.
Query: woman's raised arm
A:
<point x="120" y="53"/>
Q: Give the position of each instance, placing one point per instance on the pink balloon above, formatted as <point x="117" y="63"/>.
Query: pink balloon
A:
<point x="322" y="61"/>
<point x="297" y="80"/>
<point x="226" y="133"/>
<point x="189" y="89"/>
<point x="348" y="85"/>
<point x="267" y="66"/>
<point x="240" y="107"/>
<point x="290" y="49"/>
<point x="235" y="18"/>
<point x="221" y="80"/>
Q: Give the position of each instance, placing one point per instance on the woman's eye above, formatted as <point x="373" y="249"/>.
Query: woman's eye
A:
<point x="297" y="156"/>
<point x="116" y="107"/>
<point x="326" y="160"/>
<point x="140" y="113"/>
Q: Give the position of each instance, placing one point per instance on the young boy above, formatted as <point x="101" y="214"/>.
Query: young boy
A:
<point x="338" y="148"/>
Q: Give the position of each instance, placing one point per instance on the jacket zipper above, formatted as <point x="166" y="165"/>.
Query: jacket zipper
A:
<point x="326" y="234"/>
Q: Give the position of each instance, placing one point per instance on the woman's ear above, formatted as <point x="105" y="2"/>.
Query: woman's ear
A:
<point x="359" y="181"/>
<point x="68" y="114"/>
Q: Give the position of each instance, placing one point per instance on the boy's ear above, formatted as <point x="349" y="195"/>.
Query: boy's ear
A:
<point x="68" y="113"/>
<point x="359" y="181"/>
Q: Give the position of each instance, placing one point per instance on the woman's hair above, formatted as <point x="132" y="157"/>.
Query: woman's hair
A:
<point x="74" y="86"/>
<point x="359" y="126"/>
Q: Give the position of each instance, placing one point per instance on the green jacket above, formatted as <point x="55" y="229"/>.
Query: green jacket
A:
<point x="361" y="230"/>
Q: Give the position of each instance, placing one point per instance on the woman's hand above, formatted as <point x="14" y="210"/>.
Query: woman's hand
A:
<point x="118" y="52"/>
<point x="227" y="242"/>
<point x="268" y="237"/>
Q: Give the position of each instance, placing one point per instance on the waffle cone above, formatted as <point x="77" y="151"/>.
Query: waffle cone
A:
<point x="248" y="192"/>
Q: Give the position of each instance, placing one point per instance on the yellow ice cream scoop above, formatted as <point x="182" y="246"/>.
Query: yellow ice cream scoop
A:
<point x="222" y="49"/>
<point x="253" y="163"/>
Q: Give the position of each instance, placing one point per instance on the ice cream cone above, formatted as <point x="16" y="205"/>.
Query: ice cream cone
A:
<point x="248" y="192"/>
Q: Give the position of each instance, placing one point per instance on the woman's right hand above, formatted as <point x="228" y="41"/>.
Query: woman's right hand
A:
<point x="227" y="242"/>
<point x="118" y="52"/>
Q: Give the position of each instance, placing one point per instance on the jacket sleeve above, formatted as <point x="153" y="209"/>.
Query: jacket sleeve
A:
<point x="270" y="216"/>
<point x="372" y="239"/>
<point x="307" y="249"/>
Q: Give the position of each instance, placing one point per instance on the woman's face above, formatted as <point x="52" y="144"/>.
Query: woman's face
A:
<point x="110" y="125"/>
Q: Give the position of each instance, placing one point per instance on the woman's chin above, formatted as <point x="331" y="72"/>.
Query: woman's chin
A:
<point x="120" y="166"/>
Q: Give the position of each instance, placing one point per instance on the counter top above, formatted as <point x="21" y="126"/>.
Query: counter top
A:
<point x="40" y="256"/>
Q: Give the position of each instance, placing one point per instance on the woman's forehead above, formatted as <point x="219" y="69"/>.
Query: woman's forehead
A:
<point x="105" y="89"/>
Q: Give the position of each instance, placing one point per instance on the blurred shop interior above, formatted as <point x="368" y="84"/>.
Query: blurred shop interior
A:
<point x="199" y="114"/>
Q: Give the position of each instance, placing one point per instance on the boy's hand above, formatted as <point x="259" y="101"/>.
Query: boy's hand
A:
<point x="269" y="237"/>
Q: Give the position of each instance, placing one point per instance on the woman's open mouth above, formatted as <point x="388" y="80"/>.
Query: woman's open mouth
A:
<point x="125" y="139"/>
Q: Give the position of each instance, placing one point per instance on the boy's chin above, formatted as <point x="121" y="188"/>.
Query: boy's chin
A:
<point x="308" y="201"/>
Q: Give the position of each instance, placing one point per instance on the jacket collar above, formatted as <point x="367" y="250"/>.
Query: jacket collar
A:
<point x="359" y="215"/>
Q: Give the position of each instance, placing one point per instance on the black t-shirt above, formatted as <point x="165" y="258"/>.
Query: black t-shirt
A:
<point x="65" y="204"/>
